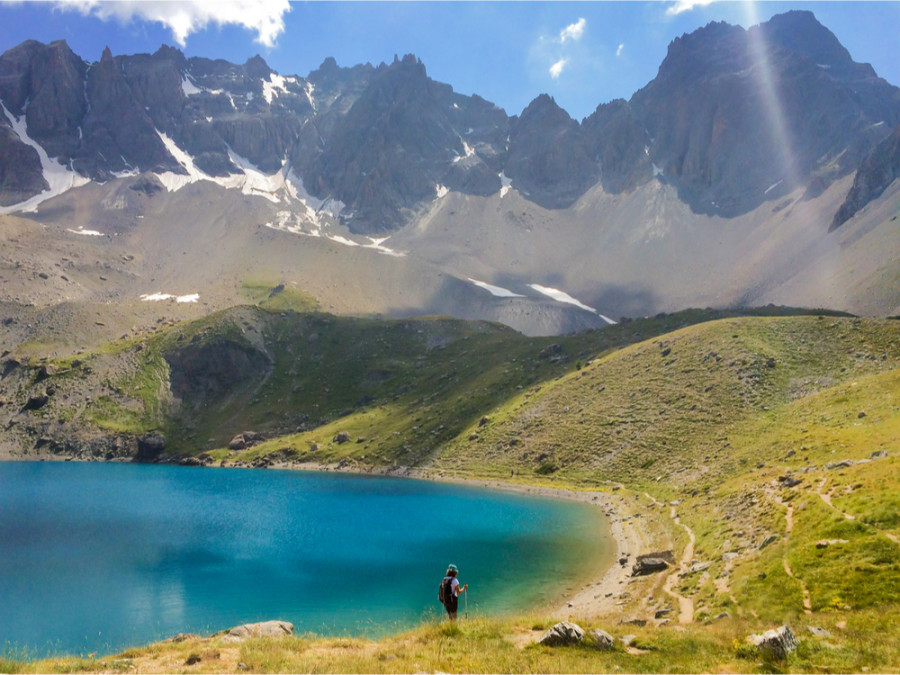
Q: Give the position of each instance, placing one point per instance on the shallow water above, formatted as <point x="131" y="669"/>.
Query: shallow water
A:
<point x="99" y="557"/>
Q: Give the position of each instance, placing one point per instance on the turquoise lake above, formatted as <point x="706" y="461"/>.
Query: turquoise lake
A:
<point x="100" y="557"/>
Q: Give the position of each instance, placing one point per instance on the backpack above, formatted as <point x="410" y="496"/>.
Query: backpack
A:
<point x="445" y="592"/>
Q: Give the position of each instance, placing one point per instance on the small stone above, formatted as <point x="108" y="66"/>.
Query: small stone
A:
<point x="633" y="621"/>
<point x="600" y="639"/>
<point x="818" y="632"/>
<point x="776" y="643"/>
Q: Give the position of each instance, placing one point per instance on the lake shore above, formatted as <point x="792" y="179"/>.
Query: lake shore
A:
<point x="601" y="584"/>
<point x="602" y="591"/>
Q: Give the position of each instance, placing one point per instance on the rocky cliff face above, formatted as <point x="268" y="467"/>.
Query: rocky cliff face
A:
<point x="549" y="158"/>
<point x="733" y="118"/>
<point x="876" y="172"/>
<point x="403" y="138"/>
<point x="739" y="117"/>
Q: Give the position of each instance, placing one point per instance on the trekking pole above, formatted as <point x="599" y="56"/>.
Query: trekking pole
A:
<point x="467" y="603"/>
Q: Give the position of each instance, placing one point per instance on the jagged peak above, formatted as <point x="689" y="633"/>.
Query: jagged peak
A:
<point x="542" y="108"/>
<point x="256" y="66"/>
<point x="106" y="55"/>
<point x="328" y="65"/>
<point x="800" y="32"/>
<point x="168" y="52"/>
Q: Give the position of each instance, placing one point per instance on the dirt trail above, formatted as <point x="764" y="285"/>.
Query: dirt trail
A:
<point x="788" y="528"/>
<point x="685" y="605"/>
<point x="826" y="497"/>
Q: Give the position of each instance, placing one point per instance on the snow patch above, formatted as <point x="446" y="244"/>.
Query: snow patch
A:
<point x="441" y="191"/>
<point x="505" y="184"/>
<point x="283" y="224"/>
<point x="273" y="85"/>
<point x="656" y="170"/>
<point x="158" y="297"/>
<point x="377" y="244"/>
<point x="188" y="87"/>
<point x="89" y="233"/>
<point x="468" y="149"/>
<point x="497" y="291"/>
<point x="251" y="181"/>
<point x="773" y="186"/>
<point x="561" y="296"/>
<point x="58" y="177"/>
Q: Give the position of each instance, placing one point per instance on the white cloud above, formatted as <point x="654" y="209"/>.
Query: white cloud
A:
<point x="184" y="17"/>
<point x="619" y="50"/>
<point x="557" y="68"/>
<point x="572" y="31"/>
<point x="681" y="6"/>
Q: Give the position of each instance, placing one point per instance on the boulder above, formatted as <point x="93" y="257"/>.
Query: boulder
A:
<point x="562" y="634"/>
<point x="776" y="643"/>
<point x="341" y="437"/>
<point x="262" y="629"/>
<point x="788" y="481"/>
<point x="843" y="464"/>
<point x="600" y="639"/>
<point x="36" y="402"/>
<point x="245" y="439"/>
<point x="633" y="621"/>
<point x="648" y="564"/>
<point x="825" y="543"/>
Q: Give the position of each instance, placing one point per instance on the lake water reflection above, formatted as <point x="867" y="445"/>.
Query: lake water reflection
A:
<point x="99" y="557"/>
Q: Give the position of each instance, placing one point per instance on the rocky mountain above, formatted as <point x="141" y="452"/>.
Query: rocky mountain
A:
<point x="715" y="184"/>
<point x="876" y="173"/>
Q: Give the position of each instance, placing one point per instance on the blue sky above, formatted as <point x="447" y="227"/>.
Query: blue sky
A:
<point x="581" y="53"/>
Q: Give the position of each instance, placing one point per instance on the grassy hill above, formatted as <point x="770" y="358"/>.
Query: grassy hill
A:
<point x="762" y="449"/>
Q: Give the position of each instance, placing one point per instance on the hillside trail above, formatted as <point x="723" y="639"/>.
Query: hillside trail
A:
<point x="788" y="528"/>
<point x="685" y="604"/>
<point x="826" y="497"/>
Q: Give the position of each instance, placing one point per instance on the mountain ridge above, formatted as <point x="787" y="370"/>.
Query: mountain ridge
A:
<point x="715" y="184"/>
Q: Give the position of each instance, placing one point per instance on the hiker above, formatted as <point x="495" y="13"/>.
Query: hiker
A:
<point x="450" y="590"/>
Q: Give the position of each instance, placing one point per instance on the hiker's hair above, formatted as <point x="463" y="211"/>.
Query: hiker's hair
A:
<point x="452" y="573"/>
